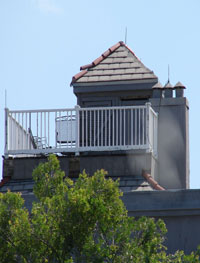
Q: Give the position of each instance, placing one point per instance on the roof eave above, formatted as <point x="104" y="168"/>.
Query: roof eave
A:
<point x="118" y="82"/>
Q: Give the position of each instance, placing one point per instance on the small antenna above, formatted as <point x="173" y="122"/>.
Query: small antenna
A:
<point x="5" y="98"/>
<point x="126" y="35"/>
<point x="168" y="74"/>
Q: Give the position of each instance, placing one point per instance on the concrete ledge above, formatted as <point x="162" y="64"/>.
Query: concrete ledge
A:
<point x="157" y="102"/>
<point x="154" y="202"/>
<point x="180" y="210"/>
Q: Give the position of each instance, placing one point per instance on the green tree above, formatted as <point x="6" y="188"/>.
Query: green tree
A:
<point x="15" y="229"/>
<point x="82" y="221"/>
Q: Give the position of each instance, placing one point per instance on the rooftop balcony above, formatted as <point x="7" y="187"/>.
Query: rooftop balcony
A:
<point x="76" y="130"/>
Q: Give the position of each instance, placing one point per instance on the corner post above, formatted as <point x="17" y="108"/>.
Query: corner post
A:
<point x="148" y="126"/>
<point x="30" y="131"/>
<point x="77" y="109"/>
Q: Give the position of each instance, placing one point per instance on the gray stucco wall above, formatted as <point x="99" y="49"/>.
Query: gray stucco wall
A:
<point x="113" y="94"/>
<point x="123" y="163"/>
<point x="180" y="209"/>
<point x="173" y="142"/>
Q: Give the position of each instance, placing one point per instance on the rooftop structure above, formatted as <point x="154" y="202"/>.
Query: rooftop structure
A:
<point x="122" y="110"/>
<point x="125" y="122"/>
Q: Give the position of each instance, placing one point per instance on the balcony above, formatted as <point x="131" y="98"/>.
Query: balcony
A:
<point x="76" y="130"/>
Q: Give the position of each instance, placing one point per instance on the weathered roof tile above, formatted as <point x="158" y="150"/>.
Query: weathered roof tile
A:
<point x="116" y="54"/>
<point x="101" y="66"/>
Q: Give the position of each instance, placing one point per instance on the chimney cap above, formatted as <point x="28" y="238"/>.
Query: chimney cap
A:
<point x="168" y="85"/>
<point x="158" y="85"/>
<point x="179" y="85"/>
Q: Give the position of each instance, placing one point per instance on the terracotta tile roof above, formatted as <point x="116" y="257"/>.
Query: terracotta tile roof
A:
<point x="118" y="63"/>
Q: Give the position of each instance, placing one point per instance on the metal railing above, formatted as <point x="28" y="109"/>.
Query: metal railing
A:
<point x="80" y="129"/>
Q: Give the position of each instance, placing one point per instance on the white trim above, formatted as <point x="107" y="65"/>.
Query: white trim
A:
<point x="72" y="150"/>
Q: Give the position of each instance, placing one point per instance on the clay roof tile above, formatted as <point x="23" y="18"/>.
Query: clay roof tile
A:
<point x="79" y="75"/>
<point x="86" y="66"/>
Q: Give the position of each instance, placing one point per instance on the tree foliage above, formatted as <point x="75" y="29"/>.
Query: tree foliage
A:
<point x="82" y="221"/>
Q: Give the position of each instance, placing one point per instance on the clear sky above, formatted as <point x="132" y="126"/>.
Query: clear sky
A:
<point x="43" y="43"/>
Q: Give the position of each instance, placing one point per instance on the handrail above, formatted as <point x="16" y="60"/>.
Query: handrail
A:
<point x="85" y="108"/>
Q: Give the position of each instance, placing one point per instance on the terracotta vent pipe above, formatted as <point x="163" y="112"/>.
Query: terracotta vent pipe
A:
<point x="151" y="181"/>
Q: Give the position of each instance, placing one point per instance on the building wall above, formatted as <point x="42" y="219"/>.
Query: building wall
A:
<point x="121" y="163"/>
<point x="113" y="95"/>
<point x="173" y="142"/>
<point x="180" y="209"/>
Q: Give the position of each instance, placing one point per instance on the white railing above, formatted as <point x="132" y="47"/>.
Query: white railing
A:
<point x="80" y="129"/>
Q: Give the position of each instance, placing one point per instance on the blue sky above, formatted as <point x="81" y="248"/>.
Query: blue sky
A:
<point x="44" y="42"/>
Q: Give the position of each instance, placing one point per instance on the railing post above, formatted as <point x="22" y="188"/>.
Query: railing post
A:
<point x="6" y="132"/>
<point x="30" y="131"/>
<point x="77" y="109"/>
<point x="148" y="129"/>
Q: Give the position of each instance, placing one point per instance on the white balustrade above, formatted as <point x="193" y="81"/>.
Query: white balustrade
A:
<point x="80" y="129"/>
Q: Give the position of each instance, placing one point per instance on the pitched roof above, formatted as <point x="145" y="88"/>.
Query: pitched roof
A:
<point x="132" y="183"/>
<point x="118" y="63"/>
<point x="23" y="186"/>
<point x="126" y="184"/>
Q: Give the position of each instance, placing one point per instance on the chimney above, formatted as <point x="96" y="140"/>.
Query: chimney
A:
<point x="179" y="88"/>
<point x="157" y="90"/>
<point x="168" y="88"/>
